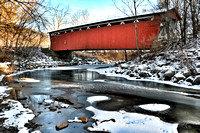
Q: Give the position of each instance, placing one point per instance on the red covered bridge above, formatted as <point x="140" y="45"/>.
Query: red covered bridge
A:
<point x="112" y="34"/>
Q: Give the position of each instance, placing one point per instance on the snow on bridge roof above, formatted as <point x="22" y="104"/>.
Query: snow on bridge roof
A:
<point x="117" y="21"/>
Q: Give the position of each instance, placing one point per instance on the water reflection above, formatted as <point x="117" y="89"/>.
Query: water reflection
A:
<point x="67" y="75"/>
<point x="35" y="102"/>
<point x="38" y="98"/>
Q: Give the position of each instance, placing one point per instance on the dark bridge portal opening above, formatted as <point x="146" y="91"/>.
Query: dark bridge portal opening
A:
<point x="65" y="54"/>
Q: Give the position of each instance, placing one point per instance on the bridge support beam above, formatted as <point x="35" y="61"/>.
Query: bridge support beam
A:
<point x="67" y="54"/>
<point x="126" y="57"/>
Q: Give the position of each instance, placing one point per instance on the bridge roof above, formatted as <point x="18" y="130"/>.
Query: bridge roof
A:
<point x="110" y="22"/>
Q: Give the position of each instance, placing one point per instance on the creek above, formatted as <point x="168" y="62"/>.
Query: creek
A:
<point x="154" y="106"/>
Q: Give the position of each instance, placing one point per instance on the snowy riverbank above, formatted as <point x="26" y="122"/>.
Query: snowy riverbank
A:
<point x="178" y="68"/>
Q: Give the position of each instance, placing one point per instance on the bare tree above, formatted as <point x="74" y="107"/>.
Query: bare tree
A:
<point x="129" y="8"/>
<point x="189" y="12"/>
<point x="58" y="18"/>
<point x="80" y="17"/>
<point x="75" y="18"/>
<point x="85" y="16"/>
<point x="194" y="17"/>
<point x="21" y="23"/>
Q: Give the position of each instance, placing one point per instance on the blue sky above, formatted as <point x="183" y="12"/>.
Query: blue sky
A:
<point x="98" y="9"/>
<point x="84" y="4"/>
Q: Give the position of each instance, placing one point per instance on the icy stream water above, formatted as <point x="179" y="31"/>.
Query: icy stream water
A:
<point x="111" y="104"/>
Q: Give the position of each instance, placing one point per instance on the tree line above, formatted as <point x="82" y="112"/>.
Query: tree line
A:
<point x="23" y="23"/>
<point x="187" y="27"/>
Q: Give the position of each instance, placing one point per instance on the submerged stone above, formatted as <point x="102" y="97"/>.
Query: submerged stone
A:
<point x="62" y="125"/>
<point x="83" y="119"/>
<point x="53" y="108"/>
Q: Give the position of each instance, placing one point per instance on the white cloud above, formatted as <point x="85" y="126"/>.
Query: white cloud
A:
<point x="109" y="13"/>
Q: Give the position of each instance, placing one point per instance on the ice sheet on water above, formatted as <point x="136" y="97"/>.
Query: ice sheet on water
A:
<point x="155" y="107"/>
<point x="118" y="122"/>
<point x="103" y="70"/>
<point x="99" y="80"/>
<point x="63" y="68"/>
<point x="93" y="99"/>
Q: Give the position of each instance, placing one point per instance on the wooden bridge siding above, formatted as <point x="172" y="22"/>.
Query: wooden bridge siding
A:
<point x="110" y="37"/>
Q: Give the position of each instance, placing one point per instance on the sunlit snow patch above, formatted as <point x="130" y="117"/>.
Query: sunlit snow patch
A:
<point x="3" y="90"/>
<point x="48" y="101"/>
<point x="27" y="80"/>
<point x="118" y="122"/>
<point x="93" y="99"/>
<point x="4" y="67"/>
<point x="64" y="105"/>
<point x="155" y="107"/>
<point x="75" y="120"/>
<point x="17" y="116"/>
<point x="69" y="85"/>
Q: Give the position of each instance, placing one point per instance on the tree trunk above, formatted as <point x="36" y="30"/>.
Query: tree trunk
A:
<point x="193" y="9"/>
<point x="167" y="26"/>
<point x="185" y="23"/>
<point x="126" y="57"/>
<point x="136" y="35"/>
